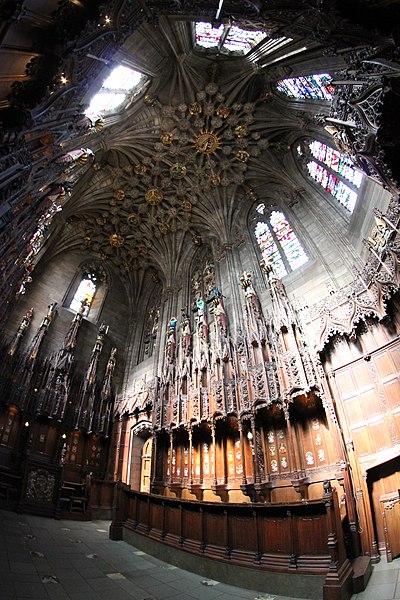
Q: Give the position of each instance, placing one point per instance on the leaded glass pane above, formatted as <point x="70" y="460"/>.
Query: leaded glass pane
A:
<point x="346" y="196"/>
<point x="104" y="102"/>
<point x="288" y="240"/>
<point x="242" y="41"/>
<point x="122" y="78"/>
<point x="269" y="249"/>
<point x="336" y="161"/>
<point x="114" y="90"/>
<point x="314" y="87"/>
<point x="85" y="291"/>
<point x="208" y="36"/>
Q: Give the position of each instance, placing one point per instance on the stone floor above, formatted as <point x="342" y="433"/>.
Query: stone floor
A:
<point x="68" y="560"/>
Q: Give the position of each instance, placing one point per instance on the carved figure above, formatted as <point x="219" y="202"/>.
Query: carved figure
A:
<point x="171" y="338"/>
<point x="185" y="332"/>
<point x="219" y="311"/>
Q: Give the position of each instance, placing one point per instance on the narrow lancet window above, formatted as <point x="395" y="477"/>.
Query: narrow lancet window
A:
<point x="85" y="293"/>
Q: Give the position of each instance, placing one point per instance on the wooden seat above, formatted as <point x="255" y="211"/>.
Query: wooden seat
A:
<point x="66" y="498"/>
<point x="79" y="503"/>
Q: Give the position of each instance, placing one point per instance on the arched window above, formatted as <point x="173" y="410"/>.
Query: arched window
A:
<point x="115" y="90"/>
<point x="279" y="245"/>
<point x="90" y="284"/>
<point x="335" y="172"/>
<point x="314" y="87"/>
<point x="84" y="293"/>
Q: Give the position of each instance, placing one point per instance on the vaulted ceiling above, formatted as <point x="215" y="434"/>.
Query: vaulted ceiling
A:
<point x="205" y="137"/>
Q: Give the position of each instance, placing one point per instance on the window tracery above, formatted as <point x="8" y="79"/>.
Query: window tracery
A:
<point x="279" y="245"/>
<point x="308" y="87"/>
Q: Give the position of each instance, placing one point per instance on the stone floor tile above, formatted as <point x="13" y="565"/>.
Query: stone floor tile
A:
<point x="29" y="590"/>
<point x="22" y="567"/>
<point x="386" y="576"/>
<point x="161" y="591"/>
<point x="84" y="596"/>
<point x="383" y="591"/>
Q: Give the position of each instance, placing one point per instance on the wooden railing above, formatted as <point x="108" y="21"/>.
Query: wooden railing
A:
<point x="303" y="538"/>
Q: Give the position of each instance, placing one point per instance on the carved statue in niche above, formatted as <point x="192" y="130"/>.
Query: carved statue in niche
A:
<point x="201" y="353"/>
<point x="340" y="138"/>
<point x="208" y="278"/>
<point x="153" y="319"/>
<point x="185" y="333"/>
<point x="379" y="235"/>
<point x="218" y="308"/>
<point x="196" y="287"/>
<point x="283" y="313"/>
<point x="255" y="319"/>
<point x="250" y="294"/>
<point x="171" y="339"/>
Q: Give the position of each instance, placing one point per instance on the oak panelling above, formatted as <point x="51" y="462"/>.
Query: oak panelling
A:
<point x="384" y="364"/>
<point x="367" y="395"/>
<point x="142" y="515"/>
<point x="380" y="434"/>
<point x="311" y="535"/>
<point x="215" y="529"/>
<point x="369" y="403"/>
<point x="243" y="533"/>
<point x="173" y="521"/>
<point x="392" y="388"/>
<point x="156" y="520"/>
<point x="361" y="375"/>
<point x="345" y="383"/>
<point x="368" y="406"/>
<point x="394" y="353"/>
<point x="362" y="440"/>
<point x="276" y="534"/>
<point x="192" y="527"/>
<point x="354" y="409"/>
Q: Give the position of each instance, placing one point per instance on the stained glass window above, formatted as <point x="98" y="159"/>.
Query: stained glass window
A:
<point x="207" y="35"/>
<point x="336" y="161"/>
<point x="85" y="292"/>
<point x="314" y="87"/>
<point x="335" y="172"/>
<point x="242" y="41"/>
<point x="114" y="90"/>
<point x="278" y="243"/>
<point x="339" y="190"/>
<point x="235" y="39"/>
